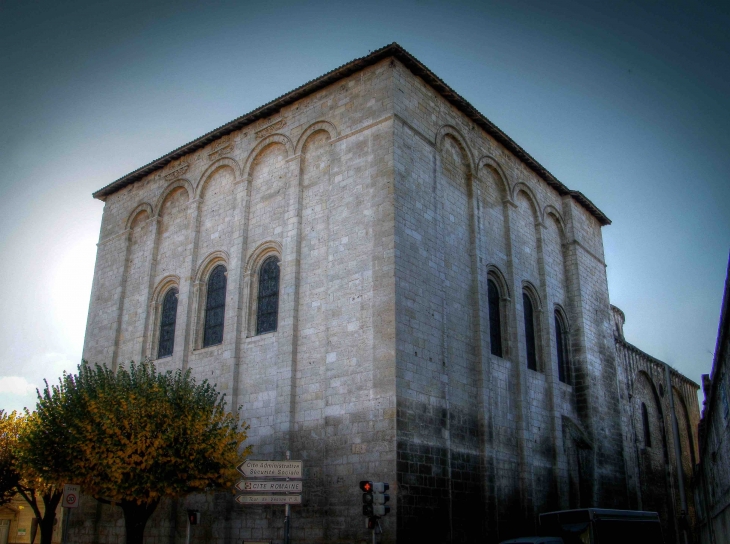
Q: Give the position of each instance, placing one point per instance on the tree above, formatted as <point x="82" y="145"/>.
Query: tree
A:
<point x="134" y="436"/>
<point x="9" y="475"/>
<point x="24" y="480"/>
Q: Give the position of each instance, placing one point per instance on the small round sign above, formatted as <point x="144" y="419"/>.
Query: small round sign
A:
<point x="70" y="498"/>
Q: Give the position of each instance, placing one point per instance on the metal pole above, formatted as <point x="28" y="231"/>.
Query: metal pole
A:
<point x="64" y="533"/>
<point x="677" y="454"/>
<point x="287" y="513"/>
<point x="187" y="535"/>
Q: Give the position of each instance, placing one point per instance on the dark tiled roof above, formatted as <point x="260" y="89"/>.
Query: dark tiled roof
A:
<point x="413" y="64"/>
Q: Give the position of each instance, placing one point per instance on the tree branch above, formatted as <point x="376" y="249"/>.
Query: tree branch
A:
<point x="30" y="500"/>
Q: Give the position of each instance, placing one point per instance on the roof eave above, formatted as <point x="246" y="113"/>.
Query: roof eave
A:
<point x="413" y="64"/>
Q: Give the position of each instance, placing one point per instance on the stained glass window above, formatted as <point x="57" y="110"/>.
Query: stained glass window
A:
<point x="215" y="307"/>
<point x="495" y="319"/>
<point x="267" y="311"/>
<point x="168" y="315"/>
<point x="529" y="332"/>
<point x="562" y="345"/>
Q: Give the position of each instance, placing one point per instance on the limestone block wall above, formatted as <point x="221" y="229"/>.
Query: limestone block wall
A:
<point x="653" y="472"/>
<point x="312" y="186"/>
<point x="389" y="212"/>
<point x="484" y="443"/>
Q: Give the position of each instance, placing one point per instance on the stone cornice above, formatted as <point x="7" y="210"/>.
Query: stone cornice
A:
<point x="675" y="373"/>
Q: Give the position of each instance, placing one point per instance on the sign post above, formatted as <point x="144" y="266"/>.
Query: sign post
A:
<point x="271" y="482"/>
<point x="287" y="512"/>
<point x="71" y="494"/>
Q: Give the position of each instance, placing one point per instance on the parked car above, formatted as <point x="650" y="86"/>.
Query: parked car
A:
<point x="603" y="526"/>
<point x="534" y="540"/>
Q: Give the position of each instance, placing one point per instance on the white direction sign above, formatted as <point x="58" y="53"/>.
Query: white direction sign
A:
<point x="269" y="499"/>
<point x="271" y="486"/>
<point x="272" y="469"/>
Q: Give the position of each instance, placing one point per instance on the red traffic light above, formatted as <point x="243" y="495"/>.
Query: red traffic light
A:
<point x="366" y="486"/>
<point x="193" y="517"/>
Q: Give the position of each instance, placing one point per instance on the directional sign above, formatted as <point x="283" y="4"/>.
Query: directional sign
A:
<point x="276" y="469"/>
<point x="275" y="486"/>
<point x="269" y="499"/>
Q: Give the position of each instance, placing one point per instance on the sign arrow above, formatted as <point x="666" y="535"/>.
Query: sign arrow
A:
<point x="269" y="499"/>
<point x="271" y="469"/>
<point x="270" y="486"/>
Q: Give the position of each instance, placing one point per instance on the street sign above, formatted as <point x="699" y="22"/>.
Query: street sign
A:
<point x="71" y="496"/>
<point x="276" y="469"/>
<point x="269" y="499"/>
<point x="271" y="486"/>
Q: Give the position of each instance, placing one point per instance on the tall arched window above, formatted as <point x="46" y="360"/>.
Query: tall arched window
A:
<point x="168" y="316"/>
<point x="645" y="423"/>
<point x="561" y="342"/>
<point x="495" y="319"/>
<point x="215" y="307"/>
<point x="529" y="331"/>
<point x="267" y="310"/>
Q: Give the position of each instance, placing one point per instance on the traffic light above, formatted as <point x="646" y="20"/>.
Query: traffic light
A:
<point x="193" y="517"/>
<point x="374" y="497"/>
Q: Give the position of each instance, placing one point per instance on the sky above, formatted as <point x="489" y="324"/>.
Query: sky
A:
<point x="627" y="102"/>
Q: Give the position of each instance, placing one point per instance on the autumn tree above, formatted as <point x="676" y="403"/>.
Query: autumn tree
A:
<point x="9" y="475"/>
<point x="23" y="479"/>
<point x="138" y="435"/>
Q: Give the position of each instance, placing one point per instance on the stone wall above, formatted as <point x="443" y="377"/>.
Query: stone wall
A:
<point x="390" y="212"/>
<point x="649" y="438"/>
<point x="484" y="443"/>
<point x="312" y="186"/>
<point x="713" y="474"/>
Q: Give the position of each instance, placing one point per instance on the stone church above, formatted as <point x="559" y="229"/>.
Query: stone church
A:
<point x="392" y="289"/>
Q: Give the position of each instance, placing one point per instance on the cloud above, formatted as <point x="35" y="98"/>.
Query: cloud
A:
<point x="16" y="385"/>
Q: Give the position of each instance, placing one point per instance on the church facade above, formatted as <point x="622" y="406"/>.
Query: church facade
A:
<point x="391" y="289"/>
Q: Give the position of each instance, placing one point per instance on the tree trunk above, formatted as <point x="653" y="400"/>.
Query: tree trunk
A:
<point x="135" y="519"/>
<point x="50" y="502"/>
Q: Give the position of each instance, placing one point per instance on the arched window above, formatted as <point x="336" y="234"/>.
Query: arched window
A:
<point x="168" y="316"/>
<point x="495" y="318"/>
<point x="215" y="307"/>
<point x="529" y="331"/>
<point x="645" y="423"/>
<point x="267" y="310"/>
<point x="561" y="342"/>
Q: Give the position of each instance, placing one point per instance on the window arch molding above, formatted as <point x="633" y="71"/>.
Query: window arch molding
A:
<point x="265" y="250"/>
<point x="531" y="326"/>
<point x="139" y="209"/>
<point x="180" y="183"/>
<point x="522" y="187"/>
<point x="213" y="169"/>
<point x="200" y="288"/>
<point x="158" y="296"/>
<point x="489" y="163"/>
<point x="449" y="131"/>
<point x="317" y="126"/>
<point x="499" y="340"/>
<point x="562" y="344"/>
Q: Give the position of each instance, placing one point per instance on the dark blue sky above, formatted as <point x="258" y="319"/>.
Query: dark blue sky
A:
<point x="627" y="102"/>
